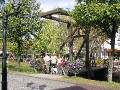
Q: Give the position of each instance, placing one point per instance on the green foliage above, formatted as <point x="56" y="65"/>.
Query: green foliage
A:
<point x="88" y="14"/>
<point x="99" y="15"/>
<point x="97" y="1"/>
<point x="51" y="36"/>
<point x="23" y="25"/>
<point x="94" y="13"/>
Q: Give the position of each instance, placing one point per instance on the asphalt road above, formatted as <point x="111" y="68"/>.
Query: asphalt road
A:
<point x="23" y="82"/>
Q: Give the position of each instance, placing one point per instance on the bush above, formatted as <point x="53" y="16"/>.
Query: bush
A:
<point x="74" y="67"/>
<point x="37" y="64"/>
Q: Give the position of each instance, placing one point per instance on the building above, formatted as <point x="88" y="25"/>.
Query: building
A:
<point x="106" y="47"/>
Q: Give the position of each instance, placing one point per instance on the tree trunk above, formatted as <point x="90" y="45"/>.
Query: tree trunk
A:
<point x="87" y="61"/>
<point x="79" y="51"/>
<point x="18" y="53"/>
<point x="111" y="57"/>
<point x="70" y="43"/>
<point x="110" y="62"/>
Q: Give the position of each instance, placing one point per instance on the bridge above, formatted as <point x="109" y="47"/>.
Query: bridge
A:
<point x="100" y="69"/>
<point x="98" y="65"/>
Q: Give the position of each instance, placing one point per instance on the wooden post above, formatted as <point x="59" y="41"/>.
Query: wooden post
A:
<point x="70" y="43"/>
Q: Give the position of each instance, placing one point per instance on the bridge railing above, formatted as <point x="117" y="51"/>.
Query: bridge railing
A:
<point x="99" y="63"/>
<point x="104" y="62"/>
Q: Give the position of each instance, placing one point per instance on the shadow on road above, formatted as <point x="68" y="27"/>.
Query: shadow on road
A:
<point x="72" y="88"/>
<point x="42" y="87"/>
<point x="34" y="86"/>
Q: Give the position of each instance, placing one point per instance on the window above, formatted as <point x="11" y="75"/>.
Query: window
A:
<point x="118" y="44"/>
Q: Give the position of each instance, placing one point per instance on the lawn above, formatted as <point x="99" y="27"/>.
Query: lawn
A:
<point x="80" y="80"/>
<point x="24" y="67"/>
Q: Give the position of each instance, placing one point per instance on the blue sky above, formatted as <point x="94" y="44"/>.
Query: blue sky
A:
<point x="47" y="5"/>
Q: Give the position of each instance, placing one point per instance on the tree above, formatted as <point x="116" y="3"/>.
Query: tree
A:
<point x="23" y="24"/>
<point x="82" y="16"/>
<point x="51" y="36"/>
<point x="104" y="15"/>
<point x="110" y="27"/>
<point x="98" y="1"/>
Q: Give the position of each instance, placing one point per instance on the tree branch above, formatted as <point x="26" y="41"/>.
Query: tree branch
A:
<point x="59" y="11"/>
<point x="78" y="54"/>
<point x="56" y="19"/>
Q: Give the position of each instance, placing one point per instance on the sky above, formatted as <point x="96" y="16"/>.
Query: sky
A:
<point x="47" y="5"/>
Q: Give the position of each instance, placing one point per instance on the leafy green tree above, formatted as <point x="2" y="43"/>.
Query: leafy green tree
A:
<point x="51" y="36"/>
<point x="104" y="15"/>
<point x="82" y="16"/>
<point x="23" y="24"/>
<point x="97" y="1"/>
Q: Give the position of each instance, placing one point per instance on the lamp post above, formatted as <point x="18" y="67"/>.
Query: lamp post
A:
<point x="4" y="52"/>
<point x="4" y="57"/>
<point x="4" y="40"/>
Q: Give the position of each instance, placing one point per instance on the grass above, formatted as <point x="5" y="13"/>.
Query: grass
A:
<point x="80" y="80"/>
<point x="24" y="67"/>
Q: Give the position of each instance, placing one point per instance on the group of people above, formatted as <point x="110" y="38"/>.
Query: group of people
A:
<point x="54" y="64"/>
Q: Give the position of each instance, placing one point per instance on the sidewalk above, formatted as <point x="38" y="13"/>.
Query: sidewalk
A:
<point x="46" y="76"/>
<point x="43" y="76"/>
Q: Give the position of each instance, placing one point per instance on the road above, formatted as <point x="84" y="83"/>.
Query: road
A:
<point x="24" y="82"/>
